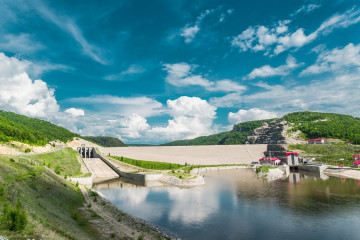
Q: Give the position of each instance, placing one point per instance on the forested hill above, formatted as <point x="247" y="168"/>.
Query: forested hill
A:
<point x="325" y="125"/>
<point x="30" y="130"/>
<point x="311" y="124"/>
<point x="105" y="141"/>
<point x="236" y="136"/>
<point x="15" y="127"/>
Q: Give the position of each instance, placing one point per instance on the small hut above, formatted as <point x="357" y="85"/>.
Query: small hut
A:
<point x="356" y="164"/>
<point x="292" y="158"/>
<point x="356" y="157"/>
<point x="270" y="161"/>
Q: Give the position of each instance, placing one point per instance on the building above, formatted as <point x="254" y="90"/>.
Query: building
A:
<point x="356" y="164"/>
<point x="270" y="161"/>
<point x="356" y="157"/>
<point x="292" y="159"/>
<point x="316" y="141"/>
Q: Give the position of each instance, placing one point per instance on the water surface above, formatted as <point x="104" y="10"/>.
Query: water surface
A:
<point x="235" y="204"/>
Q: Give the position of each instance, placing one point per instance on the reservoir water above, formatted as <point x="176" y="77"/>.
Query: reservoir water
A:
<point x="235" y="204"/>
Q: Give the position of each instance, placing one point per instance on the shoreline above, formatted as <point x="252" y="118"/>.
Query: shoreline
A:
<point x="112" y="220"/>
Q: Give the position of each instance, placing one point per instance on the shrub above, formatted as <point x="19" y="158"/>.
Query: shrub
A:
<point x="14" y="218"/>
<point x="12" y="160"/>
<point x="57" y="170"/>
<point x="141" y="237"/>
<point x="27" y="150"/>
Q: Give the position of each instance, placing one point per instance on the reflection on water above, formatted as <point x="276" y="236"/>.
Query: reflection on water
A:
<point x="235" y="204"/>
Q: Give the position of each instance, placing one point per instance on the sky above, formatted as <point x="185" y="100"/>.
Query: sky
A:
<point x="157" y="71"/>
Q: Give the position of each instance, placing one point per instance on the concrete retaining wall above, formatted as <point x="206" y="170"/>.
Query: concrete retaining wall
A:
<point x="312" y="168"/>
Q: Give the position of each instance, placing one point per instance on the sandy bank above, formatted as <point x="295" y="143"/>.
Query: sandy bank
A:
<point x="197" y="155"/>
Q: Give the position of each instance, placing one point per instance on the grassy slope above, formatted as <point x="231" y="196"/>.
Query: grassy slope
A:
<point x="105" y="141"/>
<point x="52" y="205"/>
<point x="63" y="161"/>
<point x="329" y="154"/>
<point x="336" y="126"/>
<point x="236" y="136"/>
<point x="31" y="130"/>
<point x="149" y="164"/>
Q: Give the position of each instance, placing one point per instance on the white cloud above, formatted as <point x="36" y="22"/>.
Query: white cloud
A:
<point x="131" y="70"/>
<point x="189" y="32"/>
<point x="21" y="43"/>
<point x="21" y="94"/>
<point x="268" y="71"/>
<point x="75" y="112"/>
<point x="249" y="115"/>
<point x="180" y="75"/>
<point x="277" y="39"/>
<point x="70" y="27"/>
<point x="134" y="126"/>
<point x="122" y="106"/>
<point x="336" y="93"/>
<point x="335" y="60"/>
<point x="191" y="117"/>
<point x="306" y="9"/>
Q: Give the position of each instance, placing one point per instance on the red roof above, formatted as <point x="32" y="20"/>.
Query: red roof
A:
<point x="292" y="153"/>
<point x="356" y="156"/>
<point x="341" y="165"/>
<point x="356" y="162"/>
<point x="267" y="158"/>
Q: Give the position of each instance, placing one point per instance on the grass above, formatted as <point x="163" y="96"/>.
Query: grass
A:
<point x="63" y="162"/>
<point x="149" y="164"/>
<point x="329" y="154"/>
<point x="189" y="168"/>
<point x="50" y="203"/>
<point x="264" y="169"/>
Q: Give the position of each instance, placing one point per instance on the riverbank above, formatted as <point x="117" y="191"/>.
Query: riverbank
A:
<point x="353" y="174"/>
<point x="113" y="222"/>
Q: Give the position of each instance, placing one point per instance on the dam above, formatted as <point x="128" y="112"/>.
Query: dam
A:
<point x="195" y="155"/>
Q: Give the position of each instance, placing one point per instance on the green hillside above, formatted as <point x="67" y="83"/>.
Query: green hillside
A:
<point x="30" y="130"/>
<point x="236" y="136"/>
<point x="106" y="141"/>
<point x="50" y="207"/>
<point x="326" y="125"/>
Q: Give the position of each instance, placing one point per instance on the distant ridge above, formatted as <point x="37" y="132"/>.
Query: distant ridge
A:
<point x="307" y="124"/>
<point x="33" y="131"/>
<point x="105" y="141"/>
<point x="237" y="135"/>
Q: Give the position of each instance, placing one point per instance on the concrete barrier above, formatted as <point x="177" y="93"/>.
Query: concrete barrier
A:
<point x="312" y="168"/>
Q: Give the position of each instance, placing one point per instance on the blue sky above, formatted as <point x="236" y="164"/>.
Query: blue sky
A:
<point x="156" y="71"/>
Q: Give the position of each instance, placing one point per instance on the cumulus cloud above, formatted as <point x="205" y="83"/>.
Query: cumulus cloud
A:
<point x="191" y="117"/>
<point x="134" y="126"/>
<point x="249" y="115"/>
<point x="180" y="75"/>
<point x="268" y="71"/>
<point x="21" y="94"/>
<point x="277" y="39"/>
<point x="75" y="112"/>
<point x="335" y="60"/>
